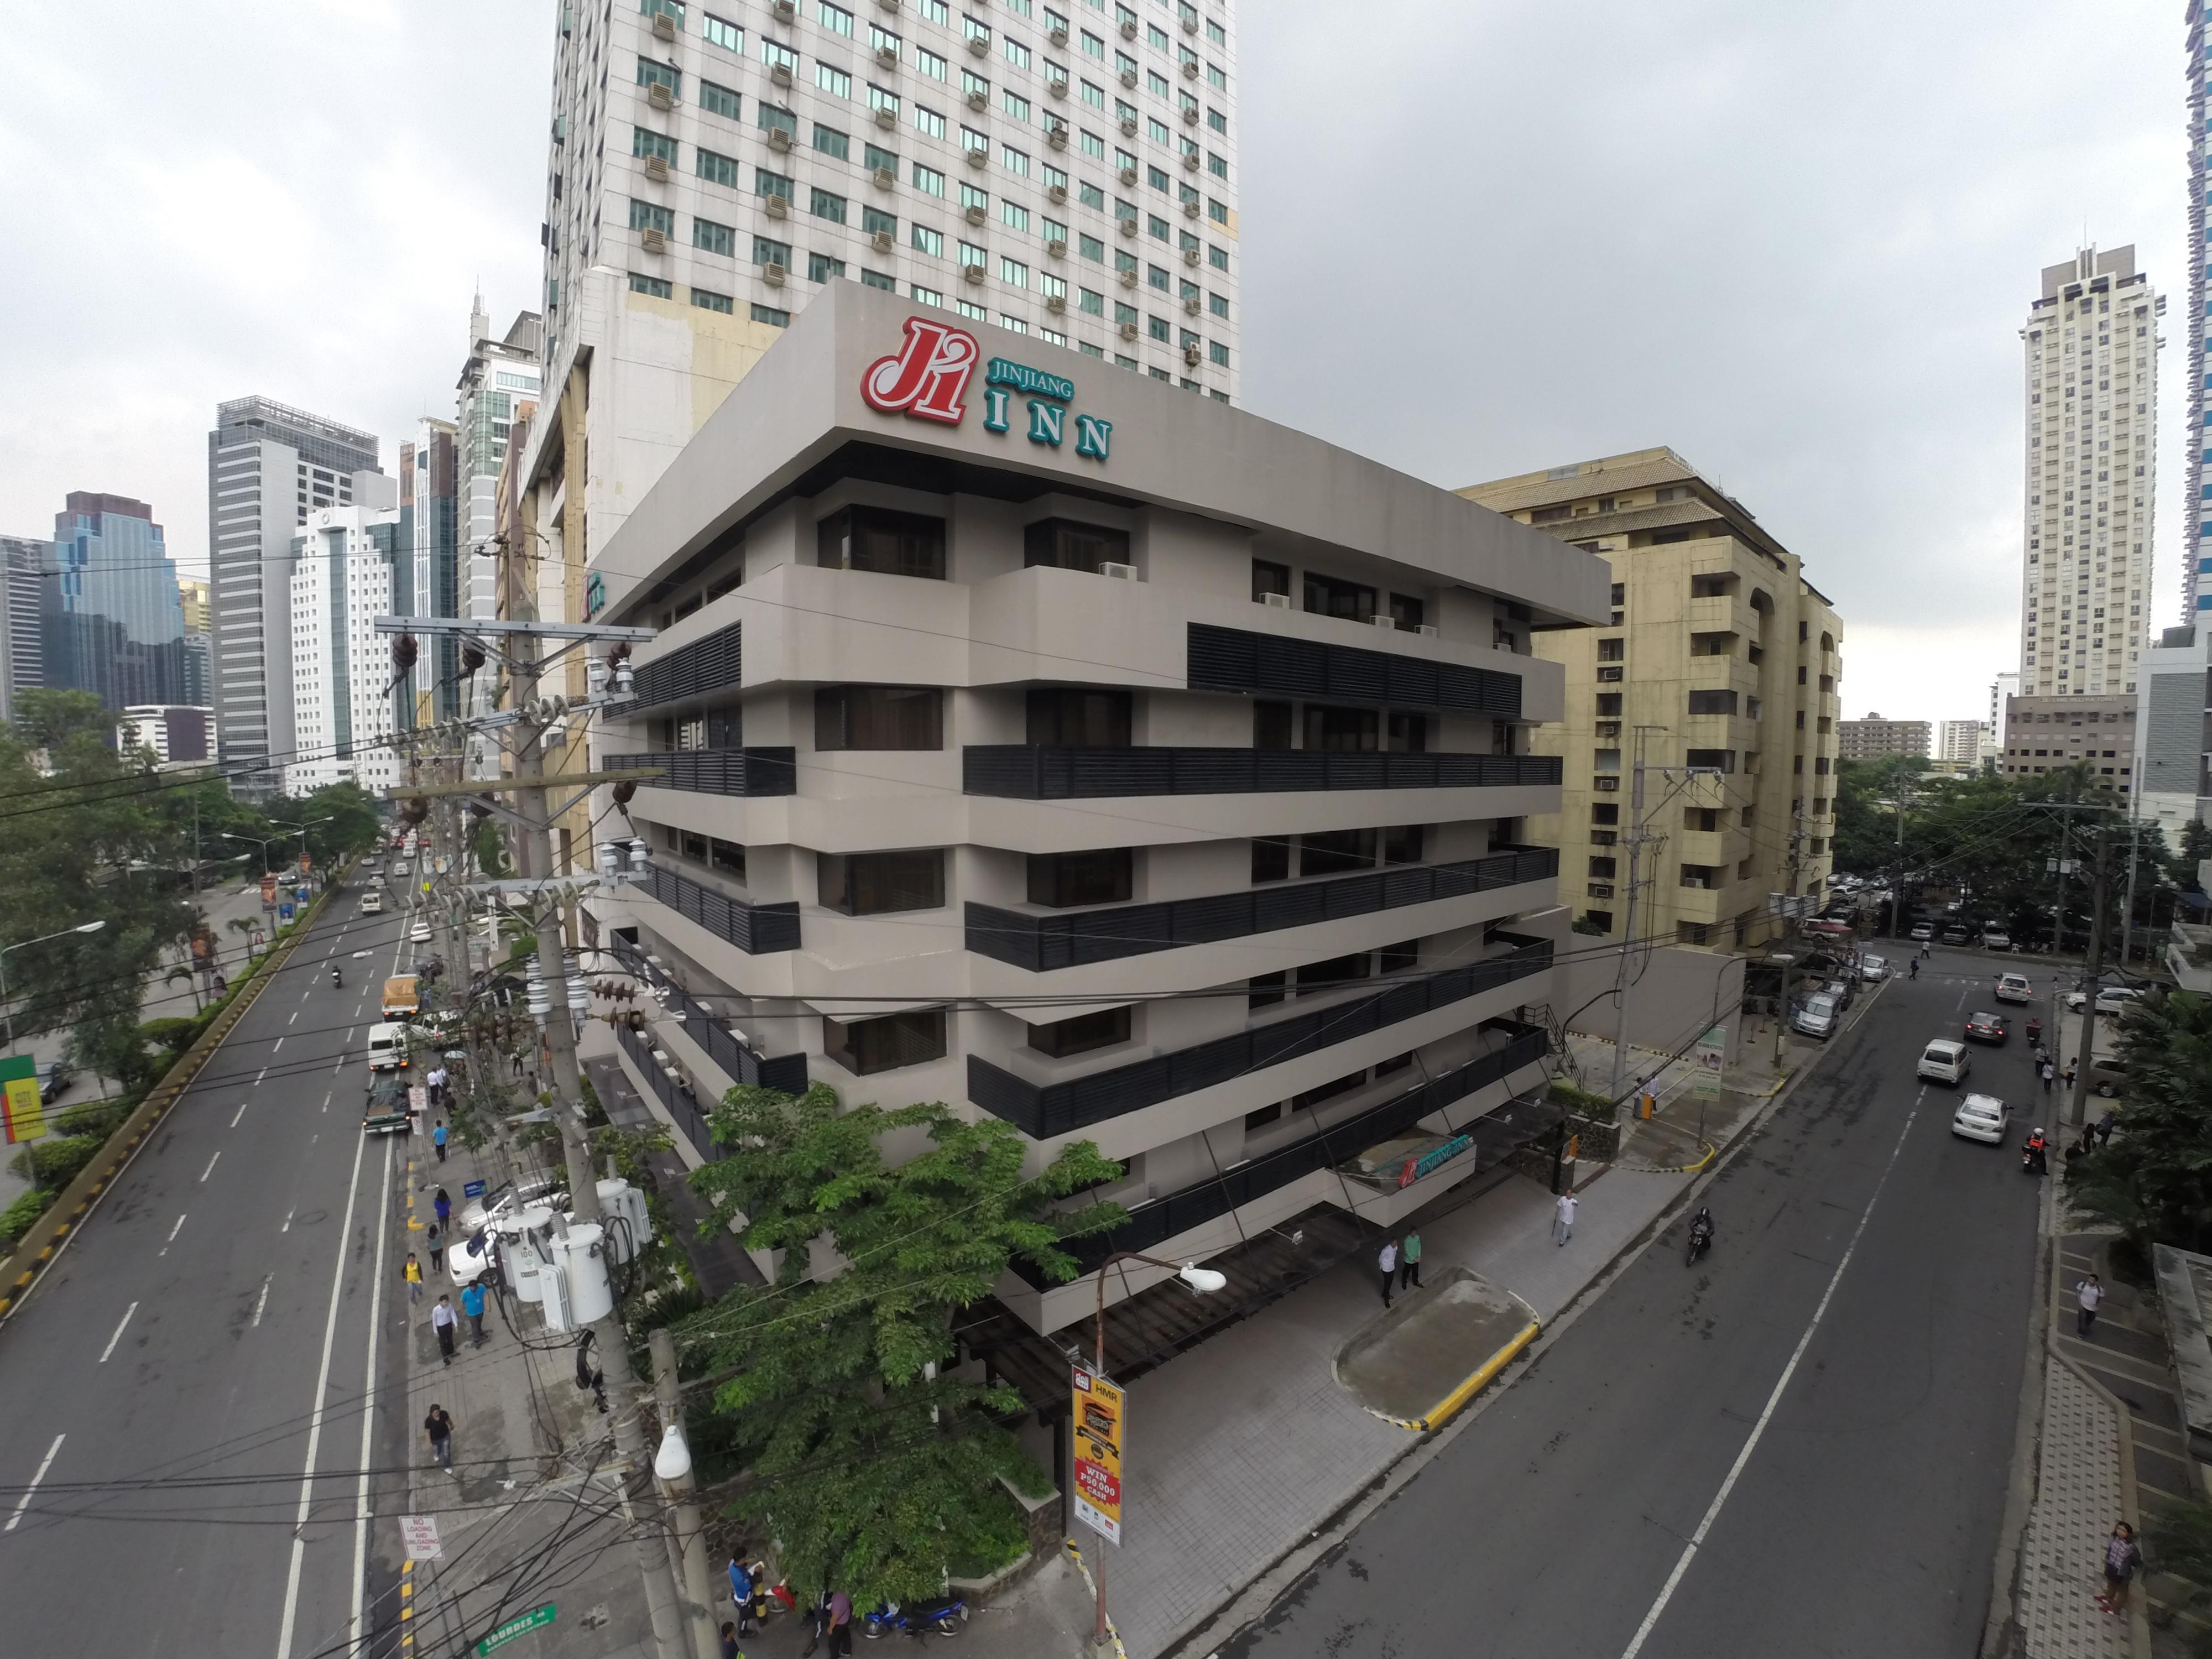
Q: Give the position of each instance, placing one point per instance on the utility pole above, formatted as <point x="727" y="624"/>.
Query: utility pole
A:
<point x="2078" y="1108"/>
<point x="1622" y="977"/>
<point x="2128" y="915"/>
<point x="689" y="1544"/>
<point x="1790" y="922"/>
<point x="1897" y="889"/>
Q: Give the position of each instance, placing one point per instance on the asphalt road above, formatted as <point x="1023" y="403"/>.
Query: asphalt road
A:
<point x="1830" y="1396"/>
<point x="220" y="1293"/>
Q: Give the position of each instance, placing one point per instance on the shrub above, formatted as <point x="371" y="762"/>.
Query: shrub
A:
<point x="15" y="1220"/>
<point x="174" y="1035"/>
<point x="56" y="1161"/>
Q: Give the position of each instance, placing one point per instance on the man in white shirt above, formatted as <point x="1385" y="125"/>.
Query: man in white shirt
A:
<point x="1563" y="1218"/>
<point x="1388" y="1262"/>
<point x="2088" y="1295"/>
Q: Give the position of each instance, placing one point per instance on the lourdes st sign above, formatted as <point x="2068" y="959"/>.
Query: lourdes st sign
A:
<point x="926" y="378"/>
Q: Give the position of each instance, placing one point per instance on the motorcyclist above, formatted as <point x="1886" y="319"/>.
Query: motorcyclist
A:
<point x="1701" y="1227"/>
<point x="2034" y="1156"/>
<point x="337" y="978"/>
<point x="2035" y="1033"/>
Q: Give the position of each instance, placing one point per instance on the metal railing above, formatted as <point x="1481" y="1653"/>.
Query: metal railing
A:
<point x="1071" y="938"/>
<point x="1239" y="659"/>
<point x="1022" y="771"/>
<point x="757" y="771"/>
<point x="786" y="1073"/>
<point x="1043" y="1111"/>
<point x="753" y="928"/>
<point x="683" y="1106"/>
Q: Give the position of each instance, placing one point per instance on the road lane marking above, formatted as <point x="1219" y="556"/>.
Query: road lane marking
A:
<point x="261" y="1306"/>
<point x="209" y="1170"/>
<point x="239" y="1114"/>
<point x="172" y="1239"/>
<point x="258" y="1075"/>
<point x="288" y="1214"/>
<point x="275" y="1046"/>
<point x="118" y="1337"/>
<point x="315" y="1422"/>
<point x="368" y="1411"/>
<point x="1774" y="1400"/>
<point x="295" y="1020"/>
<point x="24" y="1502"/>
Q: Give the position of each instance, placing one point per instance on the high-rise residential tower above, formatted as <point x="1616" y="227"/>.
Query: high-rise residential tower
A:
<point x="499" y="382"/>
<point x="1064" y="169"/>
<point x="2090" y="359"/>
<point x="1958" y="742"/>
<point x="343" y="563"/>
<point x="23" y="562"/>
<point x="430" y="519"/>
<point x="269" y="467"/>
<point x="114" y="620"/>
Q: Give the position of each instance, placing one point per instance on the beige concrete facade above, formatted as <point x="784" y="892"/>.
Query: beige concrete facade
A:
<point x="1874" y="736"/>
<point x="1235" y="735"/>
<point x="1725" y="658"/>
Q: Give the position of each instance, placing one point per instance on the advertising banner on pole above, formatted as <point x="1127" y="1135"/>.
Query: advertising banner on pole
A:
<point x="268" y="891"/>
<point x="1098" y="1423"/>
<point x="1711" y="1059"/>
<point x="22" y="1113"/>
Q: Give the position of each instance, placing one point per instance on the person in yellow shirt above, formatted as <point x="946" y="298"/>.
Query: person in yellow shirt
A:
<point x="412" y="1272"/>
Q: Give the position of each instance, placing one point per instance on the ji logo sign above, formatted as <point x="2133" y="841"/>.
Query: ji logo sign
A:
<point x="926" y="376"/>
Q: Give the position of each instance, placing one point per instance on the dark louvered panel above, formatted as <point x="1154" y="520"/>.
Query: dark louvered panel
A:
<point x="1222" y="659"/>
<point x="1270" y="665"/>
<point x="1023" y="772"/>
<point x="709" y="665"/>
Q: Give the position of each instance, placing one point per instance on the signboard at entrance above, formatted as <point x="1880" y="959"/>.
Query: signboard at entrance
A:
<point x="536" y="1618"/>
<point x="22" y="1113"/>
<point x="1098" y="1424"/>
<point x="1435" y="1158"/>
<point x="927" y="380"/>
<point x="1711" y="1058"/>
<point x="418" y="1537"/>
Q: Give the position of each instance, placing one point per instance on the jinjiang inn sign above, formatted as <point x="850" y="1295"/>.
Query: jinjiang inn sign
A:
<point x="927" y="380"/>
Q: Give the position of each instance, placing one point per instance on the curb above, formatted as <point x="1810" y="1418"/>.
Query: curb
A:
<point x="1083" y="1567"/>
<point x="1698" y="1167"/>
<point x="1443" y="1411"/>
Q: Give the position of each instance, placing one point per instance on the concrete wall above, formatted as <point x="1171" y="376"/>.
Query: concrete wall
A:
<point x="1675" y="994"/>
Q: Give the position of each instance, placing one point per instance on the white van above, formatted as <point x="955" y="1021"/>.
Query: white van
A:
<point x="387" y="1048"/>
<point x="2014" y="988"/>
<point x="1944" y="1061"/>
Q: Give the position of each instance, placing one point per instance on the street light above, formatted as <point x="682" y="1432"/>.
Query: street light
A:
<point x="264" y="845"/>
<point x="8" y="1008"/>
<point x="1205" y="1281"/>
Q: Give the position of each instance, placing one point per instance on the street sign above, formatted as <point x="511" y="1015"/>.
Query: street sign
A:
<point x="418" y="1537"/>
<point x="472" y="1190"/>
<point x="533" y="1620"/>
<point x="22" y="1113"/>
<point x="418" y="1097"/>
<point x="1712" y="1060"/>
<point x="1098" y="1423"/>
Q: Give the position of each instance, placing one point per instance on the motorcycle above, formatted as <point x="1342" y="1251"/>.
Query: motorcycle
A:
<point x="1701" y="1240"/>
<point x="338" y="979"/>
<point x="941" y="1617"/>
<point x="2035" y="1033"/>
<point x="2034" y="1159"/>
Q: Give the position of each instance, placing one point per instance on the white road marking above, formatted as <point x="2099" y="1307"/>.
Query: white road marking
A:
<point x="24" y="1502"/>
<point x="209" y="1170"/>
<point x="275" y="1046"/>
<point x="1759" y="1430"/>
<point x="315" y="1423"/>
<point x="258" y="1075"/>
<point x="295" y="1020"/>
<point x="118" y="1337"/>
<point x="368" y="1415"/>
<point x="174" y="1231"/>
<point x="239" y="1114"/>
<point x="288" y="1214"/>
<point x="260" y="1306"/>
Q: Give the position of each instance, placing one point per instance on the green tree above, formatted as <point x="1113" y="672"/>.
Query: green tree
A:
<point x="2195" y="847"/>
<point x="353" y="826"/>
<point x="2155" y="1180"/>
<point x="869" y="1468"/>
<point x="48" y="719"/>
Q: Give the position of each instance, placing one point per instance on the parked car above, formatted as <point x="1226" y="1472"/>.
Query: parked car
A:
<point x="1818" y="1017"/>
<point x="2014" y="988"/>
<point x="2107" y="1075"/>
<point x="1987" y="1028"/>
<point x="54" y="1079"/>
<point x="1842" y="990"/>
<point x="2111" y="999"/>
<point x="1944" y="1060"/>
<point x="1995" y="939"/>
<point x="1924" y="931"/>
<point x="1954" y="936"/>
<point x="1874" y="969"/>
<point x="1982" y="1117"/>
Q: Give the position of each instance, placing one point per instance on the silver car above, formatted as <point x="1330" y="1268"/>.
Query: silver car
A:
<point x="1874" y="969"/>
<point x="1818" y="1017"/>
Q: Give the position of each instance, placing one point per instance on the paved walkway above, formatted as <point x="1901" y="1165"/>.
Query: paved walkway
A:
<point x="2077" y="1500"/>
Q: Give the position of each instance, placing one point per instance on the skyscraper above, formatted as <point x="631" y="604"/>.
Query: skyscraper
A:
<point x="113" y="621"/>
<point x="1958" y="742"/>
<point x="269" y="467"/>
<point x="2091" y="357"/>
<point x="1068" y="172"/>
<point x="23" y="562"/>
<point x="499" y="382"/>
<point x="342" y="563"/>
<point x="200" y="641"/>
<point x="429" y="517"/>
<point x="2196" y="592"/>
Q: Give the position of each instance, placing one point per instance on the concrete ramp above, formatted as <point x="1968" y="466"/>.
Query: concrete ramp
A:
<point x="1426" y="1357"/>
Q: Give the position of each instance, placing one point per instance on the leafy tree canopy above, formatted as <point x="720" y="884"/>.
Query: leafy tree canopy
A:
<point x="2155" y="1180"/>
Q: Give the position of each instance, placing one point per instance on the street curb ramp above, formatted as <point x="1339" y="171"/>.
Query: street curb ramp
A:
<point x="50" y="1233"/>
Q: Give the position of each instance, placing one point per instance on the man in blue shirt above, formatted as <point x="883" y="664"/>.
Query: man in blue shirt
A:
<point x="438" y="1139"/>
<point x="741" y="1592"/>
<point x="472" y="1304"/>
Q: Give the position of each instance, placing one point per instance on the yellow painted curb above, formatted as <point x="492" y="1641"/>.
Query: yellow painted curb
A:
<point x="1442" y="1411"/>
<point x="1083" y="1567"/>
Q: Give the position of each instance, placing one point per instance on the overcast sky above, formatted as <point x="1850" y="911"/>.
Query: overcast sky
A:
<point x="1796" y="243"/>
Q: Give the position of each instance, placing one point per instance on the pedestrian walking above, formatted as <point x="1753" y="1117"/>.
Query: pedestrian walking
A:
<point x="840" y="1625"/>
<point x="2122" y="1557"/>
<point x="1388" y="1261"/>
<point x="2105" y="1129"/>
<point x="1409" y="1261"/>
<point x="472" y="1304"/>
<point x="2069" y="1074"/>
<point x="438" y="1139"/>
<point x="412" y="1272"/>
<point x="2047" y="1073"/>
<point x="443" y="1321"/>
<point x="439" y="1425"/>
<point x="1915" y="966"/>
<point x="730" y="1641"/>
<point x="1563" y="1218"/>
<point x="443" y="1205"/>
<point x="2089" y="1294"/>
<point x="433" y="1240"/>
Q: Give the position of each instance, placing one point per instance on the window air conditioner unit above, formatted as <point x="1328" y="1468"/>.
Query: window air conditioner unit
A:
<point x="1129" y="126"/>
<point x="1190" y="69"/>
<point x="779" y="140"/>
<point x="660" y="96"/>
<point x="886" y="116"/>
<point x="785" y="10"/>
<point x="1427" y="630"/>
<point x="656" y="168"/>
<point x="1120" y="573"/>
<point x="973" y="273"/>
<point x="1059" y="34"/>
<point x="653" y="242"/>
<point x="881" y="241"/>
<point x="1058" y="88"/>
<point x="1380" y="618"/>
<point x="1058" y="139"/>
<point x="1190" y="306"/>
<point x="1190" y="115"/>
<point x="1055" y="249"/>
<point x="664" y="26"/>
<point x="1128" y="279"/>
<point x="1280" y="601"/>
<point x="978" y="44"/>
<point x="1128" y="30"/>
<point x="887" y="55"/>
<point x="889" y="5"/>
<point x="781" y="74"/>
<point x="1055" y="303"/>
<point x="1190" y="256"/>
<point x="772" y="273"/>
<point x="778" y="208"/>
<point x="979" y="157"/>
<point x="1129" y="77"/>
<point x="1128" y="175"/>
<point x="1058" y="193"/>
<point x="1129" y="225"/>
<point x="885" y="179"/>
<point x="1190" y="25"/>
<point x="1129" y="330"/>
<point x="1190" y="209"/>
<point x="975" y="214"/>
<point x="1190" y="160"/>
<point x="979" y="101"/>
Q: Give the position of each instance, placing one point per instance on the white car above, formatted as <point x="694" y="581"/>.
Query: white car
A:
<point x="387" y="1048"/>
<point x="1982" y="1117"/>
<point x="1995" y="939"/>
<point x="372" y="903"/>
<point x="1874" y="969"/>
<point x="1921" y="930"/>
<point x="1818" y="1017"/>
<point x="2111" y="999"/>
<point x="1944" y="1060"/>
<point x="419" y="933"/>
<point x="2014" y="988"/>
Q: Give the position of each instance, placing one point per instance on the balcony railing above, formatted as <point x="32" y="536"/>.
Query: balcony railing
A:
<point x="683" y="1106"/>
<point x="1043" y="1111"/>
<point x="690" y="672"/>
<point x="786" y="1073"/>
<point x="1495" y="1135"/>
<point x="753" y="928"/>
<point x="1020" y="771"/>
<point x="770" y="771"/>
<point x="1071" y="938"/>
<point x="1275" y="664"/>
